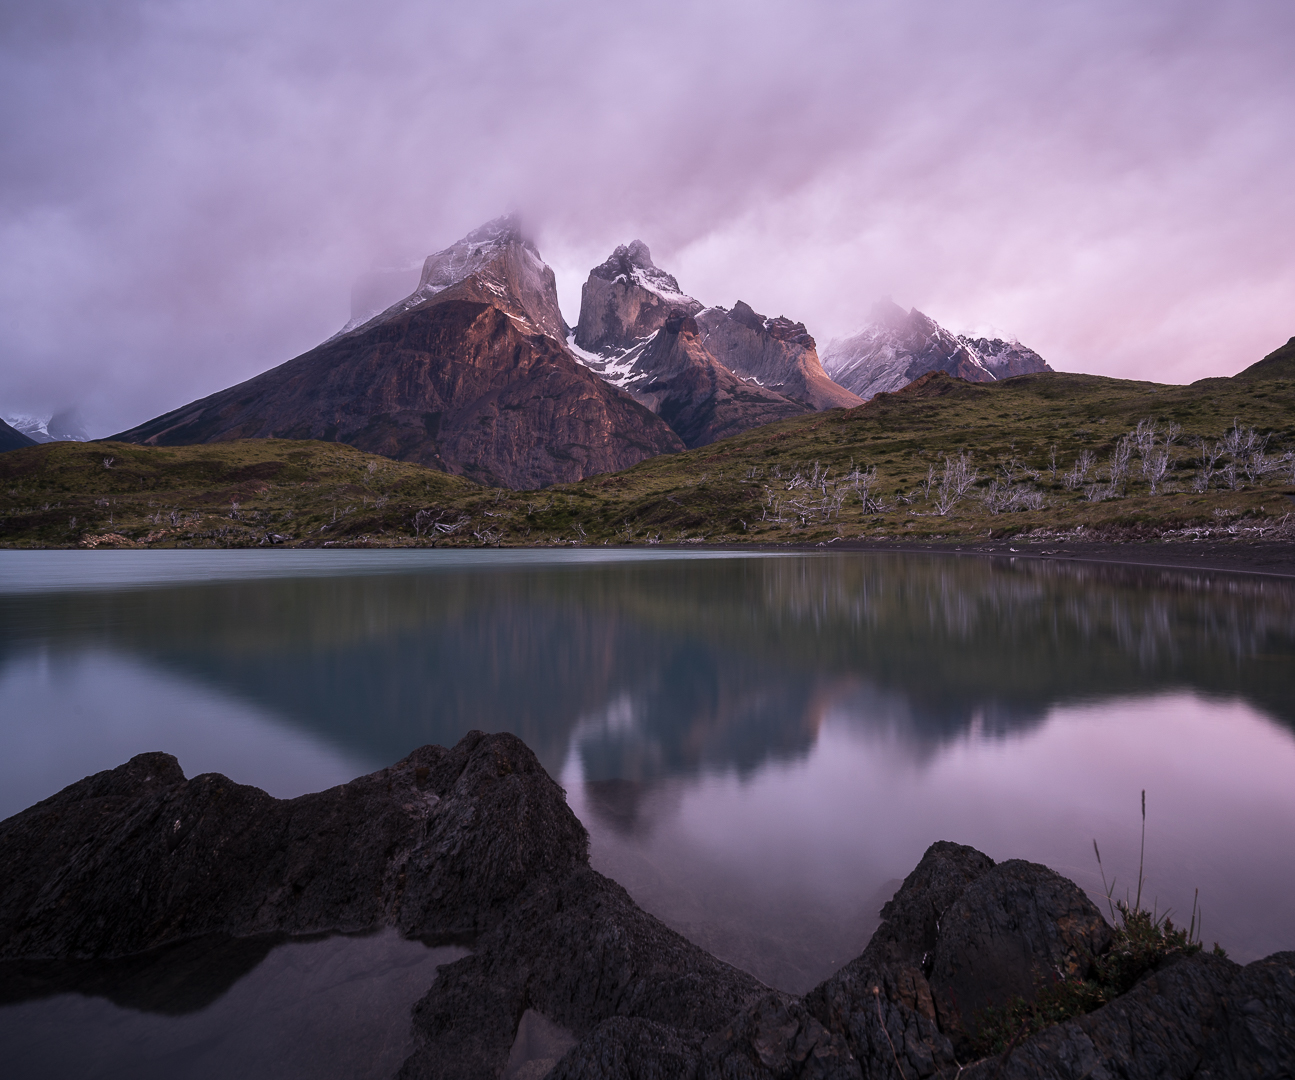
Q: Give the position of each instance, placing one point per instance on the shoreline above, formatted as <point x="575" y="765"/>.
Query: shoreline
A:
<point x="1262" y="558"/>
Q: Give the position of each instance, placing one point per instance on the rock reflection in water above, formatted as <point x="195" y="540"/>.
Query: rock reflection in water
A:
<point x="258" y="1008"/>
<point x="758" y="744"/>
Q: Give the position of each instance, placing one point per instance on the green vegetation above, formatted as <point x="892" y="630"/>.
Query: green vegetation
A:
<point x="1045" y="457"/>
<point x="1143" y="942"/>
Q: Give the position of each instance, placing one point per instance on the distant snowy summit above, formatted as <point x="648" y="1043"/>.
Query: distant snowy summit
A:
<point x="61" y="427"/>
<point x="898" y="346"/>
<point x="12" y="439"/>
<point x="502" y="260"/>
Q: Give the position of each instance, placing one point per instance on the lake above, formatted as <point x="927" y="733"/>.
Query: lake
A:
<point x="760" y="744"/>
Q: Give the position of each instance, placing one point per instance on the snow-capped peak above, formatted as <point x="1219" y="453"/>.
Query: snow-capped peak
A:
<point x="633" y="262"/>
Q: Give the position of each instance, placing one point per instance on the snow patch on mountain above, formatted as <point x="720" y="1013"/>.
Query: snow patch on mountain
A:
<point x="490" y="253"/>
<point x="58" y="427"/>
<point x="899" y="346"/>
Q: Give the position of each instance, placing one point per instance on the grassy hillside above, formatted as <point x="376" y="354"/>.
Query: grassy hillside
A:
<point x="1051" y="454"/>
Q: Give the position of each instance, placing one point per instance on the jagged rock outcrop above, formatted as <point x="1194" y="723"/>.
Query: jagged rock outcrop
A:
<point x="473" y="845"/>
<point x="13" y="439"/>
<point x="899" y="346"/>
<point x="476" y="845"/>
<point x="637" y="331"/>
<point x="625" y="300"/>
<point x="959" y="922"/>
<point x="139" y="857"/>
<point x="777" y="353"/>
<point x="678" y="379"/>
<point x="468" y="374"/>
<point x="1004" y="359"/>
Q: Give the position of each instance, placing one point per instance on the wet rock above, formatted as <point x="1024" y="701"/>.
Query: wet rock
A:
<point x="1256" y="1036"/>
<point x="1161" y="1028"/>
<point x="625" y="1048"/>
<point x="1017" y="928"/>
<point x="139" y="857"/>
<point x="579" y="951"/>
<point x="476" y="844"/>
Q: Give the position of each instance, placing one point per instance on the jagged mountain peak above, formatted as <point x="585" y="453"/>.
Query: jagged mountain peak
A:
<point x="632" y="263"/>
<point x="626" y="299"/>
<point x="496" y="262"/>
<point x="780" y="328"/>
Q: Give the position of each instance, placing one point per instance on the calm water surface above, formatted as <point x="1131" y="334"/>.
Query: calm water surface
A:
<point x="760" y="745"/>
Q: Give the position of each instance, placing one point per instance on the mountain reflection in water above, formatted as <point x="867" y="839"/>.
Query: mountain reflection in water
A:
<point x="662" y="688"/>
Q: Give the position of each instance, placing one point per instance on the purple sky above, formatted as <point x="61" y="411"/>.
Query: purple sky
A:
<point x="189" y="189"/>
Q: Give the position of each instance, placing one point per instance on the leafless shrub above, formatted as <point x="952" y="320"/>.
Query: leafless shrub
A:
<point x="1210" y="454"/>
<point x="1078" y="474"/>
<point x="999" y="498"/>
<point x="1118" y="465"/>
<point x="955" y="481"/>
<point x="1154" y="466"/>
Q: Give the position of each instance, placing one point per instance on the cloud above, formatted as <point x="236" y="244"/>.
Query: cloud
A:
<point x="190" y="189"/>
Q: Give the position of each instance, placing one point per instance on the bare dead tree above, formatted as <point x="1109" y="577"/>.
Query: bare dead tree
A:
<point x="1079" y="471"/>
<point x="1154" y="466"/>
<point x="955" y="481"/>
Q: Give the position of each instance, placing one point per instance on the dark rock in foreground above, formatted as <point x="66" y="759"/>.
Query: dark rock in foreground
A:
<point x="476" y="844"/>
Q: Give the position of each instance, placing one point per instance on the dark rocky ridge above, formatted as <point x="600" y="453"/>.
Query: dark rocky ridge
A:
<point x="13" y="439"/>
<point x="702" y="400"/>
<point x="476" y="844"/>
<point x="469" y="375"/>
<point x="1278" y="364"/>
<point x="778" y="353"/>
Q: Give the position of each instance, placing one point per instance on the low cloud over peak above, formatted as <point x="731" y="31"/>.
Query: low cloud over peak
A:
<point x="191" y="190"/>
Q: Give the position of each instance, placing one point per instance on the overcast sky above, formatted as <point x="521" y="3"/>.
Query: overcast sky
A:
<point x="189" y="188"/>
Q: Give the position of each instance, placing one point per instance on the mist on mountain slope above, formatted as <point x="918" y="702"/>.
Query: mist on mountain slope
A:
<point x="191" y="191"/>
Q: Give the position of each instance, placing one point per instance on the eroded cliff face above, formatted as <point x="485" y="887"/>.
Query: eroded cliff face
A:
<point x="677" y="378"/>
<point x="898" y="346"/>
<point x="777" y="353"/>
<point x="468" y="374"/>
<point x="626" y="300"/>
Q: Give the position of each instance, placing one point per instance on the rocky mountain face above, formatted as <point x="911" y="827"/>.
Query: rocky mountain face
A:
<point x="12" y="438"/>
<point x="709" y="373"/>
<point x="677" y="378"/>
<point x="468" y="374"/>
<point x="626" y="300"/>
<point x="777" y="353"/>
<point x="1003" y="359"/>
<point x="899" y="346"/>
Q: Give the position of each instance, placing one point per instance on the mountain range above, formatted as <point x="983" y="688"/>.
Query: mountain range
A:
<point x="476" y="371"/>
<point x="898" y="346"/>
<point x="63" y="426"/>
